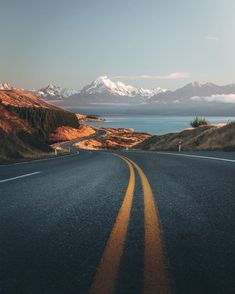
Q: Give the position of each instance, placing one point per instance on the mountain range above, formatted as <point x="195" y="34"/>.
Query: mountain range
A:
<point x="5" y="86"/>
<point x="104" y="91"/>
<point x="196" y="91"/>
<point x="52" y="92"/>
<point x="103" y="86"/>
<point x="212" y="98"/>
<point x="101" y="90"/>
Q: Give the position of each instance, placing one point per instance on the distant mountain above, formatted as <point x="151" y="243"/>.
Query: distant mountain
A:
<point x="101" y="90"/>
<point x="104" y="91"/>
<point x="193" y="98"/>
<point x="52" y="92"/>
<point x="5" y="86"/>
<point x="104" y="86"/>
<point x="193" y="91"/>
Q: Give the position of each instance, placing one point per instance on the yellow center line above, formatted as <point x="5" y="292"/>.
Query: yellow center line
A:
<point x="155" y="272"/>
<point x="107" y="271"/>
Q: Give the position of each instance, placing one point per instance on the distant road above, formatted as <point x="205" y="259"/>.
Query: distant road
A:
<point x="129" y="222"/>
<point x="69" y="144"/>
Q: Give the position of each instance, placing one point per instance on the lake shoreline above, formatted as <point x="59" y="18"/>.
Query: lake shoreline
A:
<point x="156" y="125"/>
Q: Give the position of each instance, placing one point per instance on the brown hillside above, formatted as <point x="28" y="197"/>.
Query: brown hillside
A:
<point x="21" y="98"/>
<point x="17" y="139"/>
<point x="66" y="133"/>
<point x="26" y="122"/>
<point x="201" y="138"/>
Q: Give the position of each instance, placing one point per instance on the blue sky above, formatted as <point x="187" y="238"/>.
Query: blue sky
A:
<point x="145" y="43"/>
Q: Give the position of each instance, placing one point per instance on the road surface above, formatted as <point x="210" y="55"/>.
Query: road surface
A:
<point x="129" y="222"/>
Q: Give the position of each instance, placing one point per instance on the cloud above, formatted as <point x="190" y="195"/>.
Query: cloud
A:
<point x="169" y="76"/>
<point x="212" y="38"/>
<point x="228" y="98"/>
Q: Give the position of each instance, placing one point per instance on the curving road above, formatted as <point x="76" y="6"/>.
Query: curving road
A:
<point x="129" y="222"/>
<point x="70" y="144"/>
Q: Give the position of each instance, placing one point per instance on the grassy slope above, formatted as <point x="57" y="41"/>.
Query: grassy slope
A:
<point x="44" y="121"/>
<point x="19" y="146"/>
<point x="201" y="138"/>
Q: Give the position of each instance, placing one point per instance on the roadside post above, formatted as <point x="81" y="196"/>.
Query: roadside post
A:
<point x="56" y="153"/>
<point x="180" y="143"/>
<point x="69" y="149"/>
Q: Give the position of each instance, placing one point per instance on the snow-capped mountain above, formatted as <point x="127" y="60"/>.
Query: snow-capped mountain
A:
<point x="194" y="89"/>
<point x="193" y="98"/>
<point x="5" y="86"/>
<point x="103" y="91"/>
<point x="104" y="86"/>
<point x="52" y="92"/>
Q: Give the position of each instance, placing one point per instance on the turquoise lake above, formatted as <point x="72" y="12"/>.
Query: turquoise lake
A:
<point x="155" y="124"/>
<point x="142" y="120"/>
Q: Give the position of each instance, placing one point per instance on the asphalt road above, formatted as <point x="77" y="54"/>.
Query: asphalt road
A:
<point x="95" y="222"/>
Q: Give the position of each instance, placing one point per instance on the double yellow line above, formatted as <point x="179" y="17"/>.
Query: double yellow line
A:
<point x="155" y="273"/>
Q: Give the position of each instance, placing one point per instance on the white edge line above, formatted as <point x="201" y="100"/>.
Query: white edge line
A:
<point x="198" y="156"/>
<point x="19" y="177"/>
<point x="37" y="160"/>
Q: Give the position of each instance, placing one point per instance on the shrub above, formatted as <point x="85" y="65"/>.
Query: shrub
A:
<point x="231" y="123"/>
<point x="199" y="121"/>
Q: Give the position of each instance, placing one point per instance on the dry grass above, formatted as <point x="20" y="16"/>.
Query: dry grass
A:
<point x="201" y="138"/>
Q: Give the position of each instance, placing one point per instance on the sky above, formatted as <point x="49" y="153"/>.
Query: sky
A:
<point x="147" y="43"/>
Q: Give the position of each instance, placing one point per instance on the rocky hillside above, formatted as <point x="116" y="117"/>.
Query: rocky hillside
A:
<point x="66" y="133"/>
<point x="110" y="138"/>
<point x="21" y="98"/>
<point x="201" y="138"/>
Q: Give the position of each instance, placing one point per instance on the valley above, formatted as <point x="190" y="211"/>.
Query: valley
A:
<point x="32" y="126"/>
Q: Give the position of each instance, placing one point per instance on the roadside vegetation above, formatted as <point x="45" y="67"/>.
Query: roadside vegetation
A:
<point x="199" y="121"/>
<point x="44" y="121"/>
<point x="208" y="137"/>
<point x="231" y="123"/>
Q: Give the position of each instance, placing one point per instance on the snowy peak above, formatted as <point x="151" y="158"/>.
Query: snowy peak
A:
<point x="100" y="85"/>
<point x="103" y="85"/>
<point x="5" y="86"/>
<point x="103" y="80"/>
<point x="196" y="84"/>
<point x="52" y="92"/>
